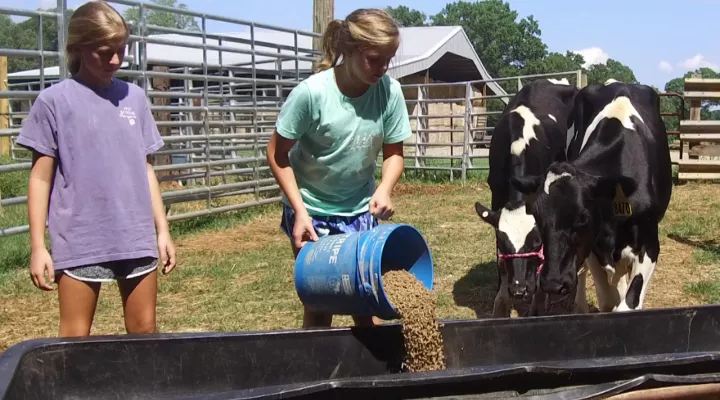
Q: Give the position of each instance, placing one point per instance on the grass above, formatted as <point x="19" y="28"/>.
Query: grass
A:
<point x="236" y="270"/>
<point x="14" y="250"/>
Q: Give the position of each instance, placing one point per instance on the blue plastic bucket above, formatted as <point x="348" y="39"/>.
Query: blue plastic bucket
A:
<point x="342" y="274"/>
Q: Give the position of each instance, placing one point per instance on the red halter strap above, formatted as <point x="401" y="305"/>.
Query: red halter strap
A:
<point x="539" y="254"/>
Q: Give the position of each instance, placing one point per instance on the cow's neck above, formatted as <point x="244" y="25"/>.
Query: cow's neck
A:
<point x="606" y="161"/>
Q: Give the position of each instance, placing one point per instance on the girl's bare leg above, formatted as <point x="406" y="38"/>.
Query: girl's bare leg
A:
<point x="139" y="297"/>
<point x="78" y="301"/>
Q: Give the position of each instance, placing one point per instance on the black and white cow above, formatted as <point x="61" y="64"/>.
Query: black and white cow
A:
<point x="602" y="207"/>
<point x="531" y="133"/>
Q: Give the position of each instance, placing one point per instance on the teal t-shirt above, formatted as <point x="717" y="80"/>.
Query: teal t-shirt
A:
<point x="339" y="139"/>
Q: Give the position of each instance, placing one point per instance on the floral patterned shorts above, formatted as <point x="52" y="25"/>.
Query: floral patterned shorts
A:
<point x="329" y="225"/>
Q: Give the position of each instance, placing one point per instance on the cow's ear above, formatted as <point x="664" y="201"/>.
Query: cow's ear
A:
<point x="526" y="184"/>
<point x="487" y="215"/>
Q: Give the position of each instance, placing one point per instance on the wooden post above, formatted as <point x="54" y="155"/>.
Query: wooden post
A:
<point x="583" y="80"/>
<point x="4" y="108"/>
<point x="695" y="115"/>
<point x="323" y="13"/>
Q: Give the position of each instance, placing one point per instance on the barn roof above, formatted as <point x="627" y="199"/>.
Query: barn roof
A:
<point x="446" y="51"/>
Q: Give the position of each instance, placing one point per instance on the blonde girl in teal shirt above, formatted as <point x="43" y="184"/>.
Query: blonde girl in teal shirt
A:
<point x="329" y="134"/>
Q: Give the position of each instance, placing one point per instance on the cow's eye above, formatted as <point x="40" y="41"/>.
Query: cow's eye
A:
<point x="536" y="242"/>
<point x="582" y="219"/>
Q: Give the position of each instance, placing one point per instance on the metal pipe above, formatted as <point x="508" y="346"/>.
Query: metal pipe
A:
<point x="227" y="172"/>
<point x="218" y="210"/>
<point x="213" y="17"/>
<point x="156" y="74"/>
<point x="31" y="13"/>
<point x="201" y="196"/>
<point x="28" y="53"/>
<point x="15" y="167"/>
<point x="9" y="132"/>
<point x="62" y="39"/>
<point x="198" y="150"/>
<point x="223" y="37"/>
<point x="204" y="164"/>
<point x="218" y="136"/>
<point x="40" y="47"/>
<point x="214" y="188"/>
<point x="13" y="201"/>
<point x="19" y="94"/>
<point x="178" y="43"/>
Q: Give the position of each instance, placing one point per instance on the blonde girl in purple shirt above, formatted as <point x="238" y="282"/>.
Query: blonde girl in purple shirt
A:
<point x="92" y="137"/>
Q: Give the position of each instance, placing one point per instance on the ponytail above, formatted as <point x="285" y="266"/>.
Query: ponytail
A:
<point x="330" y="51"/>
<point x="364" y="27"/>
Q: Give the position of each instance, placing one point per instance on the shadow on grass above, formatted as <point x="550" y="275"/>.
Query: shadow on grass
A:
<point x="706" y="245"/>
<point x="709" y="250"/>
<point x="476" y="290"/>
<point x="706" y="252"/>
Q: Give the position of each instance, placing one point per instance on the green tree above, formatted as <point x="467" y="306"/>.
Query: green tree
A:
<point x="23" y="35"/>
<point x="552" y="62"/>
<point x="612" y="69"/>
<point x="164" y="18"/>
<point x="407" y="17"/>
<point x="495" y="32"/>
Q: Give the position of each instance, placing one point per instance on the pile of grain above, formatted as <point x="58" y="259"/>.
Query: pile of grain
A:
<point x="421" y="332"/>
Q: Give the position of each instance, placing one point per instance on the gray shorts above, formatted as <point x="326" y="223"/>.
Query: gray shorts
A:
<point x="113" y="270"/>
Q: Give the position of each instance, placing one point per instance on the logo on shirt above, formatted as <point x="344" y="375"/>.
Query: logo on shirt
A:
<point x="129" y="114"/>
<point x="365" y="142"/>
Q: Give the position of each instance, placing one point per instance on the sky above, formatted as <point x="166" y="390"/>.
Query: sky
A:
<point x="658" y="39"/>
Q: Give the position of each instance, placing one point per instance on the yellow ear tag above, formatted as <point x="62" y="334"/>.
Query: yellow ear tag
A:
<point x="621" y="204"/>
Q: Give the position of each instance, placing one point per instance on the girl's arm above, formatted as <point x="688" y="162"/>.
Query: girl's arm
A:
<point x="279" y="160"/>
<point x="39" y="184"/>
<point x="397" y="130"/>
<point x="393" y="166"/>
<point x="277" y="156"/>
<point x="166" y="247"/>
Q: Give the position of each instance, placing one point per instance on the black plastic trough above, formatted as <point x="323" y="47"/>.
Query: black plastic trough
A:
<point x="581" y="356"/>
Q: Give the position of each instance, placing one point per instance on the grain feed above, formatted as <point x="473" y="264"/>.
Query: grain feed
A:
<point x="421" y="333"/>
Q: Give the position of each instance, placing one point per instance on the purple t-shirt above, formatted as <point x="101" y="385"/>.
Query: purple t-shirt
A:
<point x="100" y="207"/>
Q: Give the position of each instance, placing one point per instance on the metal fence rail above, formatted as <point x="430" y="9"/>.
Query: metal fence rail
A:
<point x="452" y="133"/>
<point x="215" y="98"/>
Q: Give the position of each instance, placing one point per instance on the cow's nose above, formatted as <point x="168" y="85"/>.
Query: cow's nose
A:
<point x="517" y="289"/>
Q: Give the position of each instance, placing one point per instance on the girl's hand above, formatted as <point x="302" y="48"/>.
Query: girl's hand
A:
<point x="381" y="206"/>
<point x="303" y="231"/>
<point x="166" y="250"/>
<point x="40" y="261"/>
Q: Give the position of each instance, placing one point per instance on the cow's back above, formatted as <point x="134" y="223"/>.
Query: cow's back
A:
<point x="605" y="146"/>
<point x="550" y="106"/>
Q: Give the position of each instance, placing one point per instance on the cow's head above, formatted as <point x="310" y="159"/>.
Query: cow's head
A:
<point x="518" y="245"/>
<point x="567" y="208"/>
